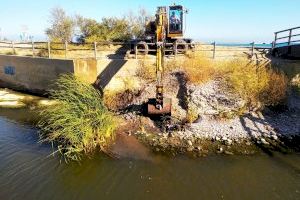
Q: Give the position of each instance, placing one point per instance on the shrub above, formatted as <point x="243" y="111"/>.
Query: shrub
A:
<point x="258" y="85"/>
<point x="79" y="122"/>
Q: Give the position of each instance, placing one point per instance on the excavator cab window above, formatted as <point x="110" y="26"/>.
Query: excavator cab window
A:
<point x="175" y="19"/>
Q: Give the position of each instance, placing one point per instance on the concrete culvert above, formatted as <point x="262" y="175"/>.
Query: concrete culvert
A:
<point x="181" y="46"/>
<point x="142" y="48"/>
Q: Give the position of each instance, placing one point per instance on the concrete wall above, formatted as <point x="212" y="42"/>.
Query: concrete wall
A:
<point x="36" y="75"/>
<point x="31" y="74"/>
<point x="109" y="74"/>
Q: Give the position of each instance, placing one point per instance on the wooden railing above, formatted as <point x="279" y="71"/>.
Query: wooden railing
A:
<point x="289" y="34"/>
<point x="97" y="49"/>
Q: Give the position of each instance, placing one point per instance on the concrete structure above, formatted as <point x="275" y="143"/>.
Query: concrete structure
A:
<point x="31" y="74"/>
<point x="36" y="75"/>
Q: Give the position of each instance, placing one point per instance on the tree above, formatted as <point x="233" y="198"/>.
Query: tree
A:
<point x="137" y="22"/>
<point x="61" y="26"/>
<point x="109" y="29"/>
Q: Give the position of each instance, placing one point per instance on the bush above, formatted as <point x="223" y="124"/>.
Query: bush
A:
<point x="258" y="85"/>
<point x="79" y="122"/>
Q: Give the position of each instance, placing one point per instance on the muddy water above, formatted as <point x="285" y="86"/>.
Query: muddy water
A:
<point x="26" y="172"/>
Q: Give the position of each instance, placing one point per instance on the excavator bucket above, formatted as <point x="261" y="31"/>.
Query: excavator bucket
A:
<point x="152" y="110"/>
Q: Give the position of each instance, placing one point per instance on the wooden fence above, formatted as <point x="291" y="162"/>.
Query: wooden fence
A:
<point x="98" y="50"/>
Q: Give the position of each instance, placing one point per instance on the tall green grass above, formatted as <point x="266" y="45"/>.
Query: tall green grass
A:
<point x="78" y="123"/>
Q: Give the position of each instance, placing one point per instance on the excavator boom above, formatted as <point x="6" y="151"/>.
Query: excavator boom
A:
<point x="160" y="105"/>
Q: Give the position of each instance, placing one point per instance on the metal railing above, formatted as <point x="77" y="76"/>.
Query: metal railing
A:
<point x="289" y="34"/>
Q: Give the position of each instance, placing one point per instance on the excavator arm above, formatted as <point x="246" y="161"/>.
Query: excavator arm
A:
<point x="160" y="105"/>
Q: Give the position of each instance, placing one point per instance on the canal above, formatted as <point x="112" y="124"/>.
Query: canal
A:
<point x="28" y="172"/>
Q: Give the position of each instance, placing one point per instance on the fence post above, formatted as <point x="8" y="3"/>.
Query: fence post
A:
<point x="275" y="40"/>
<point x="49" y="50"/>
<point x="13" y="47"/>
<point x="175" y="48"/>
<point x="214" y="50"/>
<point x="290" y="37"/>
<point x="66" y="49"/>
<point x="252" y="50"/>
<point x="135" y="51"/>
<point x="95" y="50"/>
<point x="32" y="45"/>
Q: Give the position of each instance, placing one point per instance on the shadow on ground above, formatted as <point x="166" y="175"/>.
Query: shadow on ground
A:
<point x="116" y="63"/>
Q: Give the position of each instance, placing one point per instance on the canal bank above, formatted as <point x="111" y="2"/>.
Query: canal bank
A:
<point x="28" y="172"/>
<point x="137" y="135"/>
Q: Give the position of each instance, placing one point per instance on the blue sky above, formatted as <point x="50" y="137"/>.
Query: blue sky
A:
<point x="208" y="20"/>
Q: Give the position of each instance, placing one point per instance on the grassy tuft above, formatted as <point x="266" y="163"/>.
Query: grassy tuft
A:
<point x="79" y="122"/>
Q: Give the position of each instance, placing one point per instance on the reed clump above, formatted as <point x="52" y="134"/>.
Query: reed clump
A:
<point x="78" y="123"/>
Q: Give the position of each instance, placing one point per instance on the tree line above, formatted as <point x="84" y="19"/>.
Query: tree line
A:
<point x="64" y="28"/>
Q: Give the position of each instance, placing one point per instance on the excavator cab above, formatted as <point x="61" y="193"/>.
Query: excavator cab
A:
<point x="175" y="23"/>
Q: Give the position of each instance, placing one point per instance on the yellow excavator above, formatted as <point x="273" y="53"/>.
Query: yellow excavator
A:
<point x="166" y="25"/>
<point x="174" y="28"/>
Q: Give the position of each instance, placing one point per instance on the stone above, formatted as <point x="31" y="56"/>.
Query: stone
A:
<point x="189" y="142"/>
<point x="220" y="149"/>
<point x="228" y="152"/>
<point x="170" y="135"/>
<point x="263" y="141"/>
<point x="274" y="137"/>
<point x="189" y="149"/>
<point x="199" y="148"/>
<point x="228" y="142"/>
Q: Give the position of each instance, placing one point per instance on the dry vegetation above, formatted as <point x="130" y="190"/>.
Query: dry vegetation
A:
<point x="198" y="68"/>
<point x="258" y="85"/>
<point x="146" y="71"/>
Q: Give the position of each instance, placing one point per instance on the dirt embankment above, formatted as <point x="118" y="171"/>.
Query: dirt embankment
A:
<point x="209" y="118"/>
